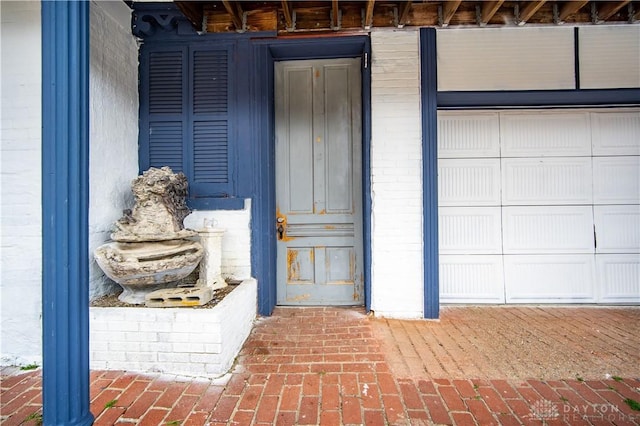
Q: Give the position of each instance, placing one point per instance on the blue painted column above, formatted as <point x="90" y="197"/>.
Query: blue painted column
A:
<point x="65" y="201"/>
<point x="429" y="74"/>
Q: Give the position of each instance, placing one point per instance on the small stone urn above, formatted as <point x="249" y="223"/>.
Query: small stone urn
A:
<point x="151" y="249"/>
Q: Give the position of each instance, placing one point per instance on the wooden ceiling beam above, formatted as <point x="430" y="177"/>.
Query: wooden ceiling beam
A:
<point x="288" y="15"/>
<point x="335" y="15"/>
<point x="529" y="10"/>
<point x="571" y="7"/>
<point x="403" y="15"/>
<point x="368" y="15"/>
<point x="193" y="12"/>
<point x="489" y="8"/>
<point x="448" y="10"/>
<point x="235" y="10"/>
<point x="607" y="10"/>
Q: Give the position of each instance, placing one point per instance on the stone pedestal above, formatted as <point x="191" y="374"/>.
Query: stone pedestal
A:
<point x="211" y="263"/>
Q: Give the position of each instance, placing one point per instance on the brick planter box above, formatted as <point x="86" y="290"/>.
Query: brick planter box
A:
<point x="182" y="341"/>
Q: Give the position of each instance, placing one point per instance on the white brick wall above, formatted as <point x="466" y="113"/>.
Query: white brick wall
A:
<point x="113" y="83"/>
<point x="113" y="158"/>
<point x="396" y="175"/>
<point x="183" y="341"/>
<point x="236" y="241"/>
<point x="20" y="175"/>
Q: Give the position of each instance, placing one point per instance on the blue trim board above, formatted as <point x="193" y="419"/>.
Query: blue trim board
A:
<point x="263" y="55"/>
<point x="430" y="172"/>
<point x="263" y="242"/>
<point x="576" y="56"/>
<point x="366" y="171"/>
<point x="65" y="201"/>
<point x="539" y="98"/>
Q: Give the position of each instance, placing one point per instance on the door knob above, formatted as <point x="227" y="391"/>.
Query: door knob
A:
<point x="280" y="228"/>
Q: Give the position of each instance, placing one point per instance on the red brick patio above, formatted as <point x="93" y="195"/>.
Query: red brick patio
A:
<point x="476" y="366"/>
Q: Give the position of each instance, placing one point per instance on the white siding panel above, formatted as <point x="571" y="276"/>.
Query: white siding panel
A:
<point x="467" y="230"/>
<point x="547" y="229"/>
<point x="618" y="277"/>
<point x="468" y="182"/>
<point x="609" y="56"/>
<point x="616" y="133"/>
<point x="545" y="181"/>
<point x="616" y="180"/>
<point x="468" y="134"/>
<point x="540" y="134"/>
<point x="493" y="59"/>
<point x="549" y="278"/>
<point x="471" y="279"/>
<point x="617" y="229"/>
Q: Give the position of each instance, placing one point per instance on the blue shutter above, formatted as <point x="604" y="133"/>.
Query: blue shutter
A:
<point x="165" y="83"/>
<point x="210" y="151"/>
<point x="210" y="125"/>
<point x="187" y="115"/>
<point x="165" y="144"/>
<point x="163" y="109"/>
<point x="210" y="82"/>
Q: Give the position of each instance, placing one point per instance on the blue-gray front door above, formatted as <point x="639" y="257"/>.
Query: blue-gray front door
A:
<point x="318" y="182"/>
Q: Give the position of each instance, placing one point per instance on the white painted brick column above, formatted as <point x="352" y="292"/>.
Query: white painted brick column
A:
<point x="396" y="175"/>
<point x="20" y="177"/>
<point x="113" y="118"/>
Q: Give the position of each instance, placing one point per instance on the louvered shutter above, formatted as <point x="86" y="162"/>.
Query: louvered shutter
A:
<point x="211" y="125"/>
<point x="186" y="116"/>
<point x="164" y="127"/>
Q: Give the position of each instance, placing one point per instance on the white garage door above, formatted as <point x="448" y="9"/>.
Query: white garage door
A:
<point x="539" y="206"/>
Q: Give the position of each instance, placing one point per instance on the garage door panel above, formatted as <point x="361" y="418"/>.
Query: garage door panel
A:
<point x="616" y="133"/>
<point x="464" y="182"/>
<point x="545" y="134"/>
<point x="545" y="181"/>
<point x="471" y="230"/>
<point x="616" y="180"/>
<point x="465" y="135"/>
<point x="549" y="279"/>
<point x="617" y="229"/>
<point x="539" y="206"/>
<point x="548" y="229"/>
<point x="471" y="278"/>
<point x="618" y="278"/>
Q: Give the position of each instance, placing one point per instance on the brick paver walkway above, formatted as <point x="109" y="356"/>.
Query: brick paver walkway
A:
<point x="337" y="366"/>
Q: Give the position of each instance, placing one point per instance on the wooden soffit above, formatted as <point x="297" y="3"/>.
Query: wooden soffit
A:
<point x="290" y="17"/>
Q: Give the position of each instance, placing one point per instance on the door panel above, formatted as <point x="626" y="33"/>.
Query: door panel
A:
<point x="318" y="182"/>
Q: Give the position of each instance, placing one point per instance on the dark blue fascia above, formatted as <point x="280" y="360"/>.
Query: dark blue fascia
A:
<point x="430" y="172"/>
<point x="318" y="48"/>
<point x="539" y="98"/>
<point x="264" y="52"/>
<point x="65" y="204"/>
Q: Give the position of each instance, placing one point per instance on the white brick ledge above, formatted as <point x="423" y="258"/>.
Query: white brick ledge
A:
<point x="180" y="341"/>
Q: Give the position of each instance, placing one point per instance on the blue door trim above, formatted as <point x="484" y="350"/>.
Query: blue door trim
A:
<point x="65" y="201"/>
<point x="263" y="244"/>
<point x="430" y="172"/>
